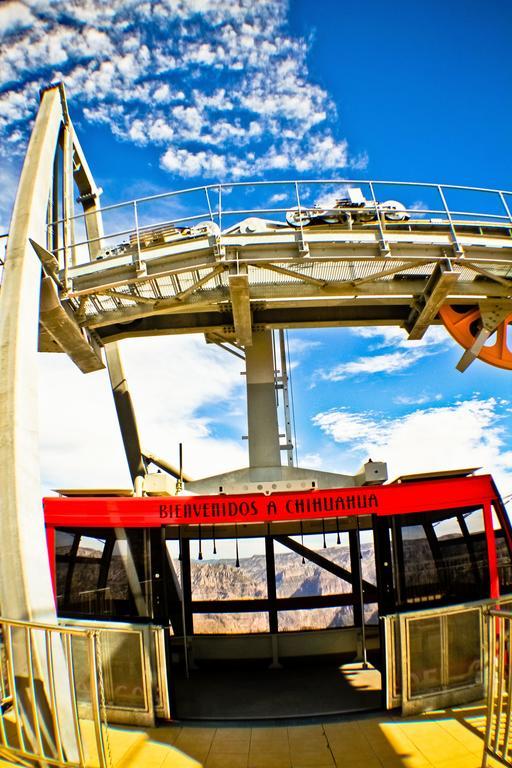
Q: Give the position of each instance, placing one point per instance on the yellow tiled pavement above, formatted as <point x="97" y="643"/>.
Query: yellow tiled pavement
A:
<point x="444" y="739"/>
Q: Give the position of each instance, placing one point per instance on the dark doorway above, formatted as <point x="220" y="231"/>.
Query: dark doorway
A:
<point x="273" y="623"/>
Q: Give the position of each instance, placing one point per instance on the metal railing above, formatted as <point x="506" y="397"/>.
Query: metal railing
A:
<point x="129" y="224"/>
<point x="130" y="673"/>
<point x="456" y="664"/>
<point x="498" y="736"/>
<point x="435" y="657"/>
<point x="40" y="719"/>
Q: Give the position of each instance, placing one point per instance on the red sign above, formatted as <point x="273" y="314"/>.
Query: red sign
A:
<point x="149" y="512"/>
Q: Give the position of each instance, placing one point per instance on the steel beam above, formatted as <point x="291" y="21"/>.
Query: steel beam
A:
<point x="328" y="565"/>
<point x="125" y="412"/>
<point x="241" y="307"/>
<point x="64" y="329"/>
<point x="439" y="285"/>
<point x="89" y="197"/>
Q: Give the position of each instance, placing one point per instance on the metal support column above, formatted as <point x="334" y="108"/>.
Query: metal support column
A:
<point x="263" y="430"/>
<point x="125" y="411"/>
<point x="284" y="385"/>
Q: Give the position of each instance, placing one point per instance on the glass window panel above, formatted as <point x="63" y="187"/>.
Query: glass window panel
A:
<point x="173" y="553"/>
<point x="479" y="543"/>
<point x="315" y="618"/>
<point x="442" y="563"/>
<point x="425" y="656"/>
<point x="297" y="579"/>
<point x="230" y="623"/>
<point x="85" y="597"/>
<point x="475" y="521"/>
<point x="222" y="579"/>
<point x="475" y="524"/>
<point x="84" y="582"/>
<point x="504" y="563"/>
<point x="117" y="579"/>
<point x="61" y="573"/>
<point x="63" y="542"/>
<point x="459" y="572"/>
<point x="371" y="613"/>
<point x="91" y="546"/>
<point x="122" y="669"/>
<point x="464" y="644"/>
<point x="421" y="580"/>
<point x="368" y="557"/>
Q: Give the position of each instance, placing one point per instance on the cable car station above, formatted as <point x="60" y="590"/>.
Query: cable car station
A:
<point x="267" y="591"/>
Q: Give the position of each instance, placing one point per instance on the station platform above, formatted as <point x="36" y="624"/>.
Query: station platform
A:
<point x="452" y="738"/>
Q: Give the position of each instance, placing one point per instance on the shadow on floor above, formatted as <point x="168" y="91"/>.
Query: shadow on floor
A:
<point x="305" y="690"/>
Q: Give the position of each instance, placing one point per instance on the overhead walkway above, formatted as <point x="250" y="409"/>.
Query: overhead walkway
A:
<point x="229" y="273"/>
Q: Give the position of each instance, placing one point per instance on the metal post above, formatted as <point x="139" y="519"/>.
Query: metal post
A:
<point x="68" y="207"/>
<point x="361" y="596"/>
<point x="380" y="222"/>
<point x="186" y="594"/>
<point x="208" y="203"/>
<point x="286" y="399"/>
<point x="303" y="248"/>
<point x="457" y="246"/>
<point x="96" y="676"/>
<point x="137" y="233"/>
<point x="505" y="205"/>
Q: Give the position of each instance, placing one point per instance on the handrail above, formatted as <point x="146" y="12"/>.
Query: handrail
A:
<point x="291" y="183"/>
<point x="498" y="732"/>
<point x="194" y="207"/>
<point x="43" y="654"/>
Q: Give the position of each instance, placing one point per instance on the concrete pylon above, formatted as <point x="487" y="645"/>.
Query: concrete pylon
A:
<point x="25" y="584"/>
<point x="263" y="428"/>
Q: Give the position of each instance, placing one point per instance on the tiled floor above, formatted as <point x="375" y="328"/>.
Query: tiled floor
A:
<point x="444" y="739"/>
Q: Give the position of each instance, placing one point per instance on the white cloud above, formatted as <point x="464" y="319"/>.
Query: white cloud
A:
<point x="13" y="17"/>
<point x="185" y="163"/>
<point x="184" y="74"/>
<point x="278" y="197"/>
<point x="173" y="381"/>
<point x="297" y="345"/>
<point x="392" y="336"/>
<point x="401" y="355"/>
<point x="469" y="433"/>
<point x="419" y="399"/>
<point x="394" y="362"/>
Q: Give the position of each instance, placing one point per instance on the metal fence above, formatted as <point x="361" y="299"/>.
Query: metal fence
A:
<point x="435" y="658"/>
<point x="41" y="716"/>
<point x="133" y="688"/>
<point x="498" y="739"/>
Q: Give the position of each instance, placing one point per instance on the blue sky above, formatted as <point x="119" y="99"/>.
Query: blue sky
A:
<point x="172" y="93"/>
